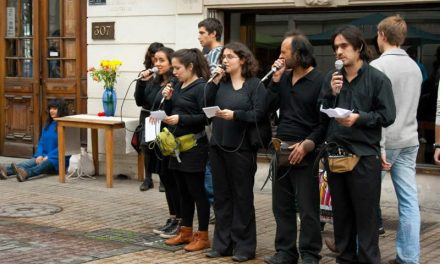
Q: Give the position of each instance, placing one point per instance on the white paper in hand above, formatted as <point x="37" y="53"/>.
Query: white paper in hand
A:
<point x="336" y="112"/>
<point x="151" y="130"/>
<point x="210" y="111"/>
<point x="159" y="115"/>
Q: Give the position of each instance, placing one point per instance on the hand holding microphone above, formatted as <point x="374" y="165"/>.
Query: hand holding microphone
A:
<point x="277" y="70"/>
<point x="167" y="91"/>
<point x="147" y="74"/>
<point x="218" y="74"/>
<point x="337" y="78"/>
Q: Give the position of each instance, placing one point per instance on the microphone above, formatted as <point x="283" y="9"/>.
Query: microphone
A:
<point x="152" y="70"/>
<point x="172" y="82"/>
<point x="216" y="73"/>
<point x="272" y="71"/>
<point x="339" y="64"/>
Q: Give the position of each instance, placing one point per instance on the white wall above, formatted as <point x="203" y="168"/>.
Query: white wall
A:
<point x="137" y="24"/>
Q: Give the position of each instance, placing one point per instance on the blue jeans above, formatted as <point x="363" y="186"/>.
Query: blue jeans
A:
<point x="32" y="168"/>
<point x="403" y="175"/>
<point x="208" y="183"/>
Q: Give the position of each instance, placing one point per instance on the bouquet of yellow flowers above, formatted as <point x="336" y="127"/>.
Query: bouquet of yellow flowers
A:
<point x="106" y="72"/>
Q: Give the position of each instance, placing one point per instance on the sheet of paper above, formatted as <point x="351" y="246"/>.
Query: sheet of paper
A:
<point x="210" y="111"/>
<point x="159" y="115"/>
<point x="337" y="112"/>
<point x="151" y="130"/>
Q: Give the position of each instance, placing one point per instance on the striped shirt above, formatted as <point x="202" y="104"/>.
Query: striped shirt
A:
<point x="212" y="58"/>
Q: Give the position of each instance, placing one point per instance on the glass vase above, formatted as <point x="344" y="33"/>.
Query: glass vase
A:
<point x="109" y="101"/>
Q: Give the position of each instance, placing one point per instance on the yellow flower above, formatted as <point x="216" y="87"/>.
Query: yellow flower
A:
<point x="106" y="73"/>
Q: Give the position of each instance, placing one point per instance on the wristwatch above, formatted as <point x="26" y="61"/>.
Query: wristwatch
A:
<point x="436" y="145"/>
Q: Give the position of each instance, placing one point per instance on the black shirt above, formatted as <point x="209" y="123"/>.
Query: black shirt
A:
<point x="147" y="95"/>
<point x="188" y="103"/>
<point x="248" y="104"/>
<point x="370" y="95"/>
<point x="300" y="117"/>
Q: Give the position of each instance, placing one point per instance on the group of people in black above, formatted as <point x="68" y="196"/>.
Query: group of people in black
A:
<point x="298" y="90"/>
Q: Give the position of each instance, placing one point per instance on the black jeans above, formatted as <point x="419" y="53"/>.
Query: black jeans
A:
<point x="171" y="192"/>
<point x="300" y="183"/>
<point x="355" y="199"/>
<point x="233" y="180"/>
<point x="191" y="186"/>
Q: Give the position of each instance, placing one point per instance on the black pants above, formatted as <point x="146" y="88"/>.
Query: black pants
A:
<point x="355" y="199"/>
<point x="191" y="186"/>
<point x="171" y="192"/>
<point x="233" y="180"/>
<point x="300" y="183"/>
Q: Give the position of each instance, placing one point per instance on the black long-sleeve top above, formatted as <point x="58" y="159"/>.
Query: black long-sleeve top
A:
<point x="370" y="95"/>
<point x="148" y="96"/>
<point x="300" y="117"/>
<point x="188" y="103"/>
<point x="248" y="104"/>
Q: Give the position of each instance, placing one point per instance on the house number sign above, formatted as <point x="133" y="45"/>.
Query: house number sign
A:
<point x="103" y="30"/>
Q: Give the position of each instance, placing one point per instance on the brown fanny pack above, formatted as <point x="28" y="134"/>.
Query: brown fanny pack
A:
<point x="282" y="153"/>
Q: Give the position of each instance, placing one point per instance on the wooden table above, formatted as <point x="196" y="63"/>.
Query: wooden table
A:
<point x="94" y="123"/>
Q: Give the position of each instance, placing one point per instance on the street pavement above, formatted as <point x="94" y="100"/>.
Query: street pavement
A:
<point x="82" y="221"/>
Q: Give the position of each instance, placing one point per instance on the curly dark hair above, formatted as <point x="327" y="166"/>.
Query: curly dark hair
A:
<point x="249" y="68"/>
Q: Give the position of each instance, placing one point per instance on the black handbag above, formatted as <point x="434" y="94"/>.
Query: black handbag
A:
<point x="136" y="139"/>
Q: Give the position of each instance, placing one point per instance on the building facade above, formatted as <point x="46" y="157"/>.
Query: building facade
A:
<point x="47" y="45"/>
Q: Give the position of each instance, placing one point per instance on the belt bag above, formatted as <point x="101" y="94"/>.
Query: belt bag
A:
<point x="282" y="153"/>
<point x="170" y="145"/>
<point x="342" y="163"/>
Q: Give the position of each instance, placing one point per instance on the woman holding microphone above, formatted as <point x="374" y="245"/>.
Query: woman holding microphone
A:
<point x="183" y="106"/>
<point x="148" y="95"/>
<point x="241" y="97"/>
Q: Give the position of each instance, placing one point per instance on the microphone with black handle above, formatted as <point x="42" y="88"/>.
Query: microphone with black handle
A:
<point x="172" y="82"/>
<point x="151" y="71"/>
<point x="216" y="73"/>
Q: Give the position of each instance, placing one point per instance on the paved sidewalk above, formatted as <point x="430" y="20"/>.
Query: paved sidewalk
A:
<point x="100" y="225"/>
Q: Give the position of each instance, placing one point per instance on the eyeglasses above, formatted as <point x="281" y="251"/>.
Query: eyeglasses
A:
<point x="229" y="57"/>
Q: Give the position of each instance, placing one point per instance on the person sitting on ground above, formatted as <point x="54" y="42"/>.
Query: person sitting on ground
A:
<point x="45" y="160"/>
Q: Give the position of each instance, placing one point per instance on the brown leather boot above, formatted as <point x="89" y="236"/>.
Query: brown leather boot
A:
<point x="200" y="241"/>
<point x="184" y="236"/>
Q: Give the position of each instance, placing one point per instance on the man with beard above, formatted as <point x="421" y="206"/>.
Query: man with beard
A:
<point x="356" y="191"/>
<point x="294" y="90"/>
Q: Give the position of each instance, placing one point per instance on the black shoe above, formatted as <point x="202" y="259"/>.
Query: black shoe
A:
<point x="172" y="230"/>
<point x="161" y="187"/>
<point x="3" y="173"/>
<point x="381" y="230"/>
<point x="307" y="259"/>
<point x="280" y="258"/>
<point x="161" y="229"/>
<point x="213" y="254"/>
<point x="241" y="258"/>
<point x="146" y="185"/>
<point x="21" y="173"/>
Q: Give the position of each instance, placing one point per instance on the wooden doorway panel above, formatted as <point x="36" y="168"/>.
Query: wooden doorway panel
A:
<point x="40" y="46"/>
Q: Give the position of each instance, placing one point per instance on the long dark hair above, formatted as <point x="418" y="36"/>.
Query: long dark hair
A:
<point x="169" y="53"/>
<point x="354" y="36"/>
<point x="196" y="58"/>
<point x="302" y="49"/>
<point x="249" y="68"/>
<point x="152" y="49"/>
<point x="60" y="105"/>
